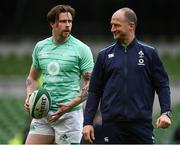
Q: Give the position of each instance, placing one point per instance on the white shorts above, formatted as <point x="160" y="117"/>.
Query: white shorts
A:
<point x="67" y="130"/>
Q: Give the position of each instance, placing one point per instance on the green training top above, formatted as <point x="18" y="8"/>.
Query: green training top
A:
<point x="61" y="66"/>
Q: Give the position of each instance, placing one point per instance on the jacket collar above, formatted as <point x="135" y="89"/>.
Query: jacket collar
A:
<point x="134" y="42"/>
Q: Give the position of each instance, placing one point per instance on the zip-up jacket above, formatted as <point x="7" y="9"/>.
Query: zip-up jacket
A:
<point x="124" y="81"/>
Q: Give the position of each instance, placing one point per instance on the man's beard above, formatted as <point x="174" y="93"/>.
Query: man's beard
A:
<point x="65" y="33"/>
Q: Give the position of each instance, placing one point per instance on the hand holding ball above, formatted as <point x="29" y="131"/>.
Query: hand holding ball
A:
<point x="39" y="103"/>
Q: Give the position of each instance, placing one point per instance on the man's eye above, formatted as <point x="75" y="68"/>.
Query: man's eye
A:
<point x="62" y="21"/>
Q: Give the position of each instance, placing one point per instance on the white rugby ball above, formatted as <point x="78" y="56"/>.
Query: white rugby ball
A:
<point x="39" y="103"/>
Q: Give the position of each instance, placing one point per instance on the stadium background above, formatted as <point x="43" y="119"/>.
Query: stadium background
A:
<point x="23" y="23"/>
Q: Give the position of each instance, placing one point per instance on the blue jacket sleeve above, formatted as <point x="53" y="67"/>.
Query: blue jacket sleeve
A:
<point x="161" y="83"/>
<point x="95" y="92"/>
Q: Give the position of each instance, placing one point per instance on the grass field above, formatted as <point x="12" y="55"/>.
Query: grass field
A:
<point x="14" y="65"/>
<point x="13" y="120"/>
<point x="172" y="66"/>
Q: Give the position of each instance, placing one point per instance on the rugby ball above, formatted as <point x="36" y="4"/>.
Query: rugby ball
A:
<point x="39" y="103"/>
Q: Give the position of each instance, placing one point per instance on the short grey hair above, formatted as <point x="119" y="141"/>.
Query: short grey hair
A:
<point x="130" y="15"/>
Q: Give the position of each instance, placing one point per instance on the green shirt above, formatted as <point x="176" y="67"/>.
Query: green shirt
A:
<point x="61" y="66"/>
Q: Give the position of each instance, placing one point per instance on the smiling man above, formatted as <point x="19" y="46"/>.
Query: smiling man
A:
<point x="124" y="81"/>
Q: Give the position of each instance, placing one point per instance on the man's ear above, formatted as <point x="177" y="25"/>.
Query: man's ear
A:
<point x="131" y="24"/>
<point x="51" y="24"/>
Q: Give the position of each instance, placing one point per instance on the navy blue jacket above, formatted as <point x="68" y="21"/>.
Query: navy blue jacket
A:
<point x="124" y="81"/>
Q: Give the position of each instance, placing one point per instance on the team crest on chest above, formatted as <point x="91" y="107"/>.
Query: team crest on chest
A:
<point x="53" y="68"/>
<point x="141" y="58"/>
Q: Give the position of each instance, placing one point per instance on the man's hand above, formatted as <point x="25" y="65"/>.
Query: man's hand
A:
<point x="31" y="85"/>
<point x="63" y="108"/>
<point x="26" y="104"/>
<point x="163" y="121"/>
<point x="88" y="133"/>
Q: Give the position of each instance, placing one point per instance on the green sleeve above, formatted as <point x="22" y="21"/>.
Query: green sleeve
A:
<point x="35" y="61"/>
<point x="86" y="62"/>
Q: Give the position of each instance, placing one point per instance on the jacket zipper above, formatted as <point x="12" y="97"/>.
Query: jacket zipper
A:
<point x="125" y="79"/>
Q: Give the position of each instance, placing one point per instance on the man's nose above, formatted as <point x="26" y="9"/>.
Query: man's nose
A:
<point x="68" y="23"/>
<point x="112" y="28"/>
